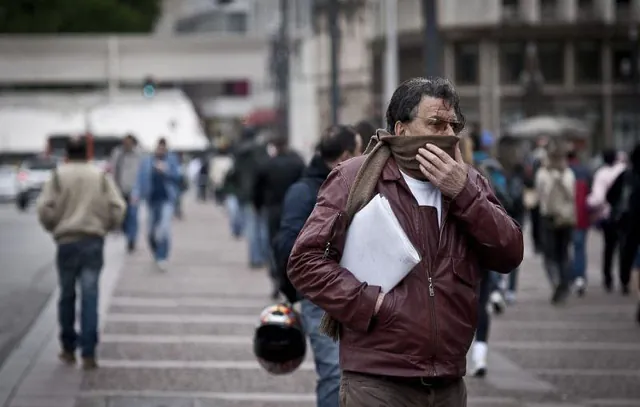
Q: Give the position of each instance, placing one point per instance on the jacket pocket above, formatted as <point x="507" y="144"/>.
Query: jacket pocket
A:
<point x="465" y="272"/>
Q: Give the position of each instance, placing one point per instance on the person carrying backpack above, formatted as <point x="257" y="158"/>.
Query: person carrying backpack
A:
<point x="555" y="184"/>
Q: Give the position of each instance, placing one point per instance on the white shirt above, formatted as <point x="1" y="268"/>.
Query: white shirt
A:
<point x="425" y="193"/>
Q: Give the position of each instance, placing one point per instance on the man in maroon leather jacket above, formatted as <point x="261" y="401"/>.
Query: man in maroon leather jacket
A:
<point x="407" y="347"/>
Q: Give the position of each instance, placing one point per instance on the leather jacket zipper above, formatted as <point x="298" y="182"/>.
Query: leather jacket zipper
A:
<point x="432" y="293"/>
<point x="327" y="247"/>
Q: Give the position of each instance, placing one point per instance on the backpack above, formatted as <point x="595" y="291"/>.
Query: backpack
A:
<point x="508" y="190"/>
<point x="621" y="208"/>
<point x="561" y="207"/>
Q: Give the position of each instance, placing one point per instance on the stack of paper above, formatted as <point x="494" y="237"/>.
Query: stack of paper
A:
<point x="377" y="250"/>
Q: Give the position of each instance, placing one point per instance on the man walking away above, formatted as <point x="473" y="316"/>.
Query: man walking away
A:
<point x="274" y="177"/>
<point x="556" y="184"/>
<point x="79" y="205"/>
<point x="159" y="184"/>
<point x="125" y="162"/>
<point x="407" y="346"/>
<point x="583" y="182"/>
<point x="338" y="143"/>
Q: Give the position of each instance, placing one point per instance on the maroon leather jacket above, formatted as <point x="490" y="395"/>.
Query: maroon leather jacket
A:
<point x="425" y="325"/>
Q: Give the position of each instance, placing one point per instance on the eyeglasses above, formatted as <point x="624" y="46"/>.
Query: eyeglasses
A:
<point x="441" y="123"/>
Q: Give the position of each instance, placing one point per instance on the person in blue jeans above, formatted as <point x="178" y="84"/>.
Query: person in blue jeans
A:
<point x="159" y="185"/>
<point x="79" y="205"/>
<point x="338" y="143"/>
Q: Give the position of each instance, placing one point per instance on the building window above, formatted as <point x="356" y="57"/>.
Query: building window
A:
<point x="621" y="63"/>
<point x="467" y="56"/>
<point x="511" y="62"/>
<point x="588" y="62"/>
<point x="510" y="10"/>
<point x="623" y="10"/>
<point x="236" y="22"/>
<point x="551" y="57"/>
<point x="548" y="10"/>
<point x="586" y="10"/>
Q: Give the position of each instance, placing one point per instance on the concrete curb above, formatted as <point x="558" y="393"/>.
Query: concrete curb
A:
<point x="24" y="359"/>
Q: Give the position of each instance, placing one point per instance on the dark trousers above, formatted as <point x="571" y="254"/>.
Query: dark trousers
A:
<point x="79" y="263"/>
<point x="628" y="251"/>
<point x="556" y="253"/>
<point x="611" y="235"/>
<point x="359" y="390"/>
<point x="487" y="286"/>
<point x="536" y="229"/>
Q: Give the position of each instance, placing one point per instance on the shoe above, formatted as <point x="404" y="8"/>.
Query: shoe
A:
<point x="625" y="290"/>
<point x="68" y="358"/>
<point x="608" y="286"/>
<point x="497" y="302"/>
<point x="510" y="297"/>
<point x="581" y="286"/>
<point x="131" y="247"/>
<point x="479" y="359"/>
<point x="162" y="265"/>
<point x="560" y="295"/>
<point x="89" y="363"/>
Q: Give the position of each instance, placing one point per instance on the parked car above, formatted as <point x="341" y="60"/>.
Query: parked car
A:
<point x="8" y="183"/>
<point x="31" y="176"/>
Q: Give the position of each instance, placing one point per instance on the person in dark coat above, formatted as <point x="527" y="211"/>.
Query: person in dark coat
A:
<point x="338" y="144"/>
<point x="273" y="177"/>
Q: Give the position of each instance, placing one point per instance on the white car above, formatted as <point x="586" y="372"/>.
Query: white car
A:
<point x="8" y="183"/>
<point x="32" y="175"/>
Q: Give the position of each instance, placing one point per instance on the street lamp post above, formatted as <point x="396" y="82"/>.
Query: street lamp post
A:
<point x="432" y="44"/>
<point x="532" y="82"/>
<point x="391" y="52"/>
<point x="334" y="36"/>
<point x="635" y="77"/>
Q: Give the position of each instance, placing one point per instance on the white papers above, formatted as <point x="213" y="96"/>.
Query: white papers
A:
<point x="377" y="250"/>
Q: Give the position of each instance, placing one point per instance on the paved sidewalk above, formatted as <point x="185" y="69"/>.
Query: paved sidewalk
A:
<point x="183" y="339"/>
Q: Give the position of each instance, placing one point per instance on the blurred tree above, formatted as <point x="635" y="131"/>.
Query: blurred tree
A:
<point x="77" y="16"/>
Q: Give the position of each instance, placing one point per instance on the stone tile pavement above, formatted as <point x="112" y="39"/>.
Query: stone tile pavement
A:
<point x="183" y="338"/>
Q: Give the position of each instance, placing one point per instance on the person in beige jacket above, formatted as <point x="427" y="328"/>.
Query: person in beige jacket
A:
<point x="79" y="205"/>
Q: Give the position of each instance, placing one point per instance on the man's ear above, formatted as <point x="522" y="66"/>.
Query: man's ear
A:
<point x="399" y="129"/>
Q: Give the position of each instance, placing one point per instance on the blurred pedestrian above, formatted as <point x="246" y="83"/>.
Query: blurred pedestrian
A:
<point x="125" y="163"/>
<point x="338" y="144"/>
<point x="159" y="185"/>
<point x="555" y="184"/>
<point x="407" y="346"/>
<point x="366" y="130"/>
<point x="79" y="205"/>
<point x="273" y="178"/>
<point x="603" y="179"/>
<point x="581" y="230"/>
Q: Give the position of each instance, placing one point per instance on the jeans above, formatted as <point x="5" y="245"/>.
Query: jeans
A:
<point x="257" y="236"/>
<point x="160" y="216"/>
<point x="235" y="214"/>
<point x="556" y="256"/>
<point x="580" y="253"/>
<point x="487" y="286"/>
<point x="79" y="262"/>
<point x="130" y="224"/>
<point x="325" y="355"/>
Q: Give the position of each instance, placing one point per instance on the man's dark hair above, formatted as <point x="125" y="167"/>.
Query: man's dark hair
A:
<point x="476" y="137"/>
<point x="572" y="154"/>
<point x="366" y="130"/>
<point x="162" y="142"/>
<point x="335" y="141"/>
<point x="403" y="106"/>
<point x="609" y="156"/>
<point x="76" y="149"/>
<point x="132" y="138"/>
<point x="280" y="142"/>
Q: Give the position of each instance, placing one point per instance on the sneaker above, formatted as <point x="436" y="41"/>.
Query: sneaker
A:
<point x="510" y="297"/>
<point x="497" y="302"/>
<point x="581" y="286"/>
<point x="131" y="247"/>
<point x="68" y="358"/>
<point x="162" y="265"/>
<point x="479" y="359"/>
<point x="89" y="363"/>
<point x="560" y="295"/>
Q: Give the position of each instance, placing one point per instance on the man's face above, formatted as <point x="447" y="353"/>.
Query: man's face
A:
<point x="128" y="144"/>
<point x="434" y="118"/>
<point x="161" y="150"/>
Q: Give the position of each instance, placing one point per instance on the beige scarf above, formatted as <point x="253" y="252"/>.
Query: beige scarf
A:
<point x="382" y="146"/>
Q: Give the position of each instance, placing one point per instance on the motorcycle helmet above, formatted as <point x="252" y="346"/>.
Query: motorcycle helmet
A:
<point x="279" y="342"/>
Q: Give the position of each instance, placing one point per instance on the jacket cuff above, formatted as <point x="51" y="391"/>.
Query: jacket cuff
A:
<point x="466" y="196"/>
<point x="364" y="317"/>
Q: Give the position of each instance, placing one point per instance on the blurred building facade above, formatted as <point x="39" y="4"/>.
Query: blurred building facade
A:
<point x="585" y="51"/>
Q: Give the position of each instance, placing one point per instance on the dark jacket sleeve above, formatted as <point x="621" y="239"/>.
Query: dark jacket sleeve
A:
<point x="314" y="267"/>
<point x="498" y="238"/>
<point x="298" y="205"/>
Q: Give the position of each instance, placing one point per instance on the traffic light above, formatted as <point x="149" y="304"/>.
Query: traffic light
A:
<point x="149" y="88"/>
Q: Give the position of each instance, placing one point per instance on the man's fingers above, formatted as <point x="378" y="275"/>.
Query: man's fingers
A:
<point x="439" y="153"/>
<point x="432" y="158"/>
<point x="428" y="166"/>
<point x="431" y="177"/>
